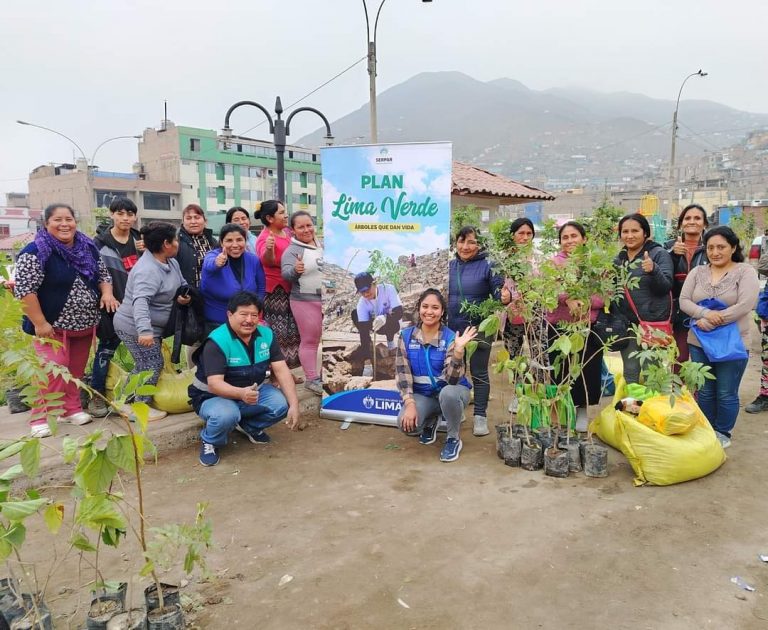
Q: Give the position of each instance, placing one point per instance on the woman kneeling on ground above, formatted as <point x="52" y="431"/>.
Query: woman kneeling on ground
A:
<point x="152" y="286"/>
<point x="429" y="372"/>
<point x="732" y="281"/>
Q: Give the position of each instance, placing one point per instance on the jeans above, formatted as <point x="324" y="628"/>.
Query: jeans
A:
<point x="450" y="403"/>
<point x="719" y="398"/>
<point x="222" y="414"/>
<point x="104" y="353"/>
<point x="478" y="366"/>
<point x="630" y="365"/>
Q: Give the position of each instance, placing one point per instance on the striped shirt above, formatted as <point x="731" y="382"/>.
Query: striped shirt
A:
<point x="453" y="369"/>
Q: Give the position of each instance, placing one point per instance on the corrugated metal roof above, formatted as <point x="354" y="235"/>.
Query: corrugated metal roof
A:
<point x="470" y="180"/>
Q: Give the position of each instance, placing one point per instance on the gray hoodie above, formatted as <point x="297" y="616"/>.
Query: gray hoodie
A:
<point x="307" y="286"/>
<point x="149" y="296"/>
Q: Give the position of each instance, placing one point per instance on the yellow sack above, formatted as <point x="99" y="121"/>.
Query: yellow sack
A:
<point x="659" y="459"/>
<point x="114" y="375"/>
<point x="658" y="414"/>
<point x="171" y="394"/>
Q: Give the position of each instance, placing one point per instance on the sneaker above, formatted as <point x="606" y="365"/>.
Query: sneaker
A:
<point x="259" y="437"/>
<point x="208" y="455"/>
<point x="98" y="408"/>
<point x="513" y="405"/>
<point x="757" y="405"/>
<point x="79" y="419"/>
<point x="368" y="370"/>
<point x="582" y="421"/>
<point x="39" y="430"/>
<point x="481" y="426"/>
<point x="451" y="450"/>
<point x="724" y="440"/>
<point x="315" y="386"/>
<point x="154" y="414"/>
<point x="428" y="434"/>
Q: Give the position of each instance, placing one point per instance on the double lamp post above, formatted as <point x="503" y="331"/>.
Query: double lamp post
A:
<point x="89" y="165"/>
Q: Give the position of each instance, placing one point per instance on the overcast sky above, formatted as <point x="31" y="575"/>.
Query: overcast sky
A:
<point x="94" y="70"/>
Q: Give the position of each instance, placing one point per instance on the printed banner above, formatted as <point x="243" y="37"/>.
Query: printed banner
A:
<point x="386" y="222"/>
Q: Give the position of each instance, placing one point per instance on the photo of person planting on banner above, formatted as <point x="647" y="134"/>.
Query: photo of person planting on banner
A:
<point x="378" y="311"/>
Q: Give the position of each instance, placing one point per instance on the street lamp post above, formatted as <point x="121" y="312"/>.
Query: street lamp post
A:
<point x="280" y="130"/>
<point x="88" y="165"/>
<point x="674" y="125"/>
<point x="372" y="67"/>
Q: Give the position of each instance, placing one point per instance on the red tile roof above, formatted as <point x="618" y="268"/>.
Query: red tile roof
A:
<point x="22" y="239"/>
<point x="470" y="180"/>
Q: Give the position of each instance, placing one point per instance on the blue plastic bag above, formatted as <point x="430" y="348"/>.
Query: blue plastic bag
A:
<point x="723" y="343"/>
<point x="762" y="304"/>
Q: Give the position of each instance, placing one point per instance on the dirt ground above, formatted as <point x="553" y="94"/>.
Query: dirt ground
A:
<point x="376" y="532"/>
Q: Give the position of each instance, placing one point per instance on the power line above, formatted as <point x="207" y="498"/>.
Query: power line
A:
<point x="308" y="94"/>
<point x="642" y="133"/>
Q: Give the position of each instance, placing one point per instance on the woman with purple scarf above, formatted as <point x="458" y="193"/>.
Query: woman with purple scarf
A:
<point x="62" y="282"/>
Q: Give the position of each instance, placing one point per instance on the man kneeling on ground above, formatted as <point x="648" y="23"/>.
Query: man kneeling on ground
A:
<point x="229" y="392"/>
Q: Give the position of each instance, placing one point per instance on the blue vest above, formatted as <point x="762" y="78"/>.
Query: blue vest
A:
<point x="58" y="278"/>
<point x="427" y="361"/>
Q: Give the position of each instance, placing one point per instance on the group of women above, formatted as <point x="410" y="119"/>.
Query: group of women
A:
<point x="666" y="286"/>
<point x="66" y="288"/>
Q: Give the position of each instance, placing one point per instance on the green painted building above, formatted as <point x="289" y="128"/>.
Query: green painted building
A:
<point x="217" y="173"/>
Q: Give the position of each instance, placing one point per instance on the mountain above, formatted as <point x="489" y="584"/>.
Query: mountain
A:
<point x="556" y="137"/>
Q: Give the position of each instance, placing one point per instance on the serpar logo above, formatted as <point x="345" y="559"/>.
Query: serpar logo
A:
<point x="263" y="346"/>
<point x="383" y="157"/>
<point x="368" y="402"/>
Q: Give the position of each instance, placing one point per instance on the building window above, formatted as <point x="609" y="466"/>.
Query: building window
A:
<point x="229" y="170"/>
<point x="5" y="230"/>
<point x="219" y="170"/>
<point x="194" y="144"/>
<point x="220" y="195"/>
<point x="156" y="201"/>
<point x="210" y="192"/>
<point x="229" y="193"/>
<point x="303" y="180"/>
<point x="106" y="197"/>
<point x="210" y="168"/>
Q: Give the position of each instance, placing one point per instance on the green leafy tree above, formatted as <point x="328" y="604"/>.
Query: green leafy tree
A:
<point x="465" y="215"/>
<point x="745" y="228"/>
<point x="384" y="269"/>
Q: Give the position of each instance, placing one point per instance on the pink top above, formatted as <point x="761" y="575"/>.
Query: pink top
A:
<point x="561" y="313"/>
<point x="272" y="272"/>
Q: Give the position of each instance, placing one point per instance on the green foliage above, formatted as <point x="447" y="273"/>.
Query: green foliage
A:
<point x="602" y="224"/>
<point x="170" y="540"/>
<point x="658" y="373"/>
<point x="745" y="228"/>
<point x="384" y="269"/>
<point x="465" y="215"/>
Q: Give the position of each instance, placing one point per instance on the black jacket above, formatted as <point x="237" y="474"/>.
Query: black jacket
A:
<point x="681" y="268"/>
<point x="652" y="297"/>
<point x="186" y="256"/>
<point x="109" y="253"/>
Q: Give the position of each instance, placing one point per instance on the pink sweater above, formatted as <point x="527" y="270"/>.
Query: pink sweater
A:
<point x="561" y="313"/>
<point x="272" y="272"/>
